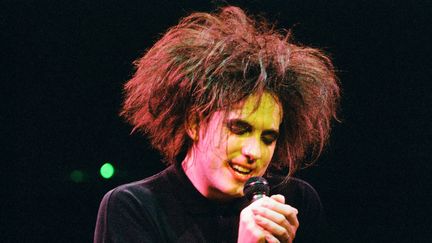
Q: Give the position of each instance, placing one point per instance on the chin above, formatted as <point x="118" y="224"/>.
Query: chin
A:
<point x="228" y="186"/>
<point x="233" y="191"/>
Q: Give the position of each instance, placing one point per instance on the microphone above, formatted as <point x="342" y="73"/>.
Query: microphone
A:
<point x="256" y="188"/>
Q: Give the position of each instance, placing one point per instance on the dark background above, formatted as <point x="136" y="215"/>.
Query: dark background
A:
<point x="64" y="62"/>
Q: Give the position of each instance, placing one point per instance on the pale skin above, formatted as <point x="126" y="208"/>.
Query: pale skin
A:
<point x="233" y="147"/>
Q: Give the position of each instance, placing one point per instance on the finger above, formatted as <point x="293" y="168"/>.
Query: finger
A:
<point x="269" y="238"/>
<point x="274" y="216"/>
<point x="289" y="212"/>
<point x="288" y="220"/>
<point x="278" y="198"/>
<point x="278" y="231"/>
<point x="249" y="231"/>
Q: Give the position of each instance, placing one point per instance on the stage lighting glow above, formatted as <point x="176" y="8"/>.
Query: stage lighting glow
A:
<point x="77" y="176"/>
<point x="107" y="171"/>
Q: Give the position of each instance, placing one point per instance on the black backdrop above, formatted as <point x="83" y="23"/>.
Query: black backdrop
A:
<point x="64" y="63"/>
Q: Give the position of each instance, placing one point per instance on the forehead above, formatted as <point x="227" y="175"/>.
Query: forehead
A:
<point x="264" y="109"/>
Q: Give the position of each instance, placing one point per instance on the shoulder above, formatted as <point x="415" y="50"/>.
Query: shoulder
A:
<point x="305" y="190"/>
<point x="299" y="194"/>
<point x="303" y="196"/>
<point x="131" y="210"/>
<point x="138" y="199"/>
<point x="294" y="189"/>
<point x="136" y="194"/>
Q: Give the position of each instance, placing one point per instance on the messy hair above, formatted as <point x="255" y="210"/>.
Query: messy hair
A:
<point x="210" y="62"/>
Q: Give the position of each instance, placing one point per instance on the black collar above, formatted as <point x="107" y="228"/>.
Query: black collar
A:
<point x="194" y="202"/>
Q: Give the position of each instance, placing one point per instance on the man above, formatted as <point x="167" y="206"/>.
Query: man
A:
<point x="224" y="98"/>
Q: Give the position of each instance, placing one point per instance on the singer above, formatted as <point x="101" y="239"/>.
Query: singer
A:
<point x="224" y="98"/>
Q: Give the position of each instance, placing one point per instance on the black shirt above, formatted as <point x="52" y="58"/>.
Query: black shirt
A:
<point x="167" y="208"/>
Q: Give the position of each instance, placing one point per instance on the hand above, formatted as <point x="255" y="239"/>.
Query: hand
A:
<point x="268" y="219"/>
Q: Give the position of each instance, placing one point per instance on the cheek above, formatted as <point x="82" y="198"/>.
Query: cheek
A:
<point x="233" y="144"/>
<point x="268" y="154"/>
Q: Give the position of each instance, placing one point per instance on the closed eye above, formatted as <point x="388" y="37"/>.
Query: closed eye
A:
<point x="239" y="127"/>
<point x="269" y="138"/>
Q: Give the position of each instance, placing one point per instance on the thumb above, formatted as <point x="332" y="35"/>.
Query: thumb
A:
<point x="278" y="198"/>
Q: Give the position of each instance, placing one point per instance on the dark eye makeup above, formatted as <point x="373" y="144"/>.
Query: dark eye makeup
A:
<point x="240" y="127"/>
<point x="269" y="137"/>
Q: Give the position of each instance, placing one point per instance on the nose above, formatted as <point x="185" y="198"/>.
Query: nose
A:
<point x="252" y="149"/>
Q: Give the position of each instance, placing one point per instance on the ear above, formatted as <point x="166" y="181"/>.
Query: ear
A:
<point x="192" y="127"/>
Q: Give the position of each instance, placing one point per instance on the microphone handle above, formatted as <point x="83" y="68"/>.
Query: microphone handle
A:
<point x="256" y="197"/>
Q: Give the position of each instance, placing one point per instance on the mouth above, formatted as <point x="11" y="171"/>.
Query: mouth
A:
<point x="240" y="169"/>
<point x="240" y="172"/>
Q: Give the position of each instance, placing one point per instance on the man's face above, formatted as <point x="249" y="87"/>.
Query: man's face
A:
<point x="234" y="147"/>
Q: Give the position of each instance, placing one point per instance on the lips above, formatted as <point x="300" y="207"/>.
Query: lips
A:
<point x="240" y="172"/>
<point x="240" y="169"/>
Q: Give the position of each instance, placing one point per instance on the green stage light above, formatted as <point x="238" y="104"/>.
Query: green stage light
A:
<point x="77" y="176"/>
<point x="107" y="170"/>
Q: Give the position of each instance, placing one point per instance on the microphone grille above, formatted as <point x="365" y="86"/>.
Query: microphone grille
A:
<point x="256" y="186"/>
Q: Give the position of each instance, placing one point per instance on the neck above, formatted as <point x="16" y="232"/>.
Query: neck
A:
<point x="198" y="179"/>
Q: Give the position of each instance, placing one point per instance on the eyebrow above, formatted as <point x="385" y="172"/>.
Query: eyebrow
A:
<point x="244" y="123"/>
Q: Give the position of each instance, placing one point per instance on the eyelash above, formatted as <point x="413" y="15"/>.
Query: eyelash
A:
<point x="239" y="130"/>
<point x="268" y="141"/>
